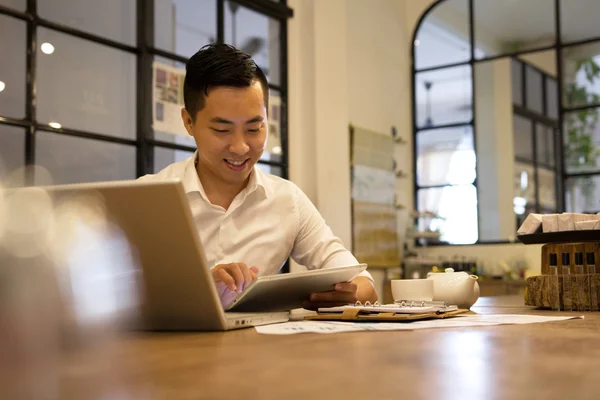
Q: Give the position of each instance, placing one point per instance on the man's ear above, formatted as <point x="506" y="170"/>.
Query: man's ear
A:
<point x="187" y="121"/>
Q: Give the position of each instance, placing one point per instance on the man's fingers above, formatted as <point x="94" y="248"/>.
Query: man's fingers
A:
<point x="223" y="276"/>
<point x="236" y="272"/>
<point x="247" y="276"/>
<point x="254" y="272"/>
<point x="346" y="287"/>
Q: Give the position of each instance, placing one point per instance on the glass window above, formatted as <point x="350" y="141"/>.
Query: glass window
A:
<point x="523" y="138"/>
<point x="578" y="20"/>
<point x="547" y="190"/>
<point x="458" y="206"/>
<point x="111" y="19"/>
<point x="437" y="43"/>
<point x="184" y="26"/>
<point x="534" y="95"/>
<point x="545" y="145"/>
<point x="13" y="48"/>
<point x="182" y="138"/>
<point x="582" y="194"/>
<point x="505" y="26"/>
<point x="551" y="98"/>
<point x="445" y="156"/>
<point x="20" y="5"/>
<point x="86" y="86"/>
<point x="164" y="157"/>
<point x="517" y="82"/>
<point x="73" y="159"/>
<point x="257" y="35"/>
<point x="525" y="185"/>
<point x="270" y="169"/>
<point x="12" y="155"/>
<point x="444" y="96"/>
<point x="273" y="151"/>
<point x="581" y="147"/>
<point x="581" y="75"/>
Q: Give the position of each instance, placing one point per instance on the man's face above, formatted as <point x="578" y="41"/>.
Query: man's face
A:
<point x="230" y="132"/>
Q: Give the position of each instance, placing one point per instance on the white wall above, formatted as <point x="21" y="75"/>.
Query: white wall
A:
<point x="349" y="63"/>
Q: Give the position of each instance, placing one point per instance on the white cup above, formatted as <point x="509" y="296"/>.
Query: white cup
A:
<point x="412" y="289"/>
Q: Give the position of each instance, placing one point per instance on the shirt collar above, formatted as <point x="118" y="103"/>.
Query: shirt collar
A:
<point x="191" y="181"/>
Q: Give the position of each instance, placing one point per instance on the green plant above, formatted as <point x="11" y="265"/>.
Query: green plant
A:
<point x="579" y="148"/>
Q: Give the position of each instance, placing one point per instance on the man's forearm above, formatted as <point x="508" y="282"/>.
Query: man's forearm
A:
<point x="365" y="289"/>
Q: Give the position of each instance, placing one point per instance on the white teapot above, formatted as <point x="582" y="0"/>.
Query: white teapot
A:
<point x="457" y="288"/>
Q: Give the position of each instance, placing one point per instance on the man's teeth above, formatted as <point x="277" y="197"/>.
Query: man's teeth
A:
<point x="236" y="163"/>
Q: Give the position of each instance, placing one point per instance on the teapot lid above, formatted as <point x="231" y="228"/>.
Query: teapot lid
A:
<point x="449" y="270"/>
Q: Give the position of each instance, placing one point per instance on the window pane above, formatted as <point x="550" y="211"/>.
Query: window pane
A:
<point x="505" y="26"/>
<point x="20" y="5"/>
<point x="551" y="98"/>
<point x="164" y="157"/>
<point x="257" y="35"/>
<point x="12" y="155"/>
<point x="534" y="95"/>
<point x="273" y="151"/>
<point x="86" y="86"/>
<point x="445" y="156"/>
<point x="582" y="140"/>
<point x="581" y="75"/>
<point x="524" y="201"/>
<point x="517" y="82"/>
<point x="523" y="138"/>
<point x="582" y="194"/>
<point x="545" y="145"/>
<point x="74" y="160"/>
<point x="112" y="19"/>
<point x="579" y="19"/>
<point x="458" y="206"/>
<point x="184" y="26"/>
<point x="13" y="48"/>
<point x="547" y="190"/>
<point x="270" y="169"/>
<point x="183" y="138"/>
<point x="444" y="96"/>
<point x="436" y="43"/>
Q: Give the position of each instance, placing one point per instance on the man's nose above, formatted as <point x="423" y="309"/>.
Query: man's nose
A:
<point x="238" y="144"/>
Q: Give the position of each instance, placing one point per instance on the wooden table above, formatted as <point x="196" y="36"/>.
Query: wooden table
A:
<point x="539" y="361"/>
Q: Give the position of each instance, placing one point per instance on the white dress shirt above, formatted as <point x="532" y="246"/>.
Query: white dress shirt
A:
<point x="267" y="222"/>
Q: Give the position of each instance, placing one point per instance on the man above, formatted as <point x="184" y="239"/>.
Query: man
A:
<point x="249" y="222"/>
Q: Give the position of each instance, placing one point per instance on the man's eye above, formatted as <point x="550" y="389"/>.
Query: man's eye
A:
<point x="220" y="130"/>
<point x="253" y="130"/>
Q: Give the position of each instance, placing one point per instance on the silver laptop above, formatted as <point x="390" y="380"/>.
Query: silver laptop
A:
<point x="178" y="289"/>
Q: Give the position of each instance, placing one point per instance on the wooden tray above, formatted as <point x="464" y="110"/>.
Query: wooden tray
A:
<point x="561" y="237"/>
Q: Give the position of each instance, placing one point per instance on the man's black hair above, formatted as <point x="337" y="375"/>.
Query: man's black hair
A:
<point x="217" y="65"/>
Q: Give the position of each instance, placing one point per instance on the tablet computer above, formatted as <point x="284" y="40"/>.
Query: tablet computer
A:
<point x="284" y="292"/>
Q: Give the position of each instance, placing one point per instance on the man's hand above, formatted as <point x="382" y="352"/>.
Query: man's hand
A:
<point x="232" y="279"/>
<point x="359" y="289"/>
<point x="235" y="276"/>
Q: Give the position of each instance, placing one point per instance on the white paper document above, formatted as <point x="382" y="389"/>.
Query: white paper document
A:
<point x="461" y="321"/>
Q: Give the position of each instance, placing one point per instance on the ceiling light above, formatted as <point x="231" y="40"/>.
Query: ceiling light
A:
<point x="55" y="125"/>
<point x="276" y="150"/>
<point x="2" y="86"/>
<point x="47" y="48"/>
<point x="417" y="42"/>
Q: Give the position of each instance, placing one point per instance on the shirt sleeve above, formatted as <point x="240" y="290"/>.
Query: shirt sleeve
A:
<point x="315" y="245"/>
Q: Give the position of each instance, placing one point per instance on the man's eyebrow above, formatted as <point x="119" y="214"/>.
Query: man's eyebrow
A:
<point x="258" y="118"/>
<point x="220" y="120"/>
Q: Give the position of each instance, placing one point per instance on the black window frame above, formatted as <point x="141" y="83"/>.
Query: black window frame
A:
<point x="558" y="46"/>
<point x="144" y="50"/>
